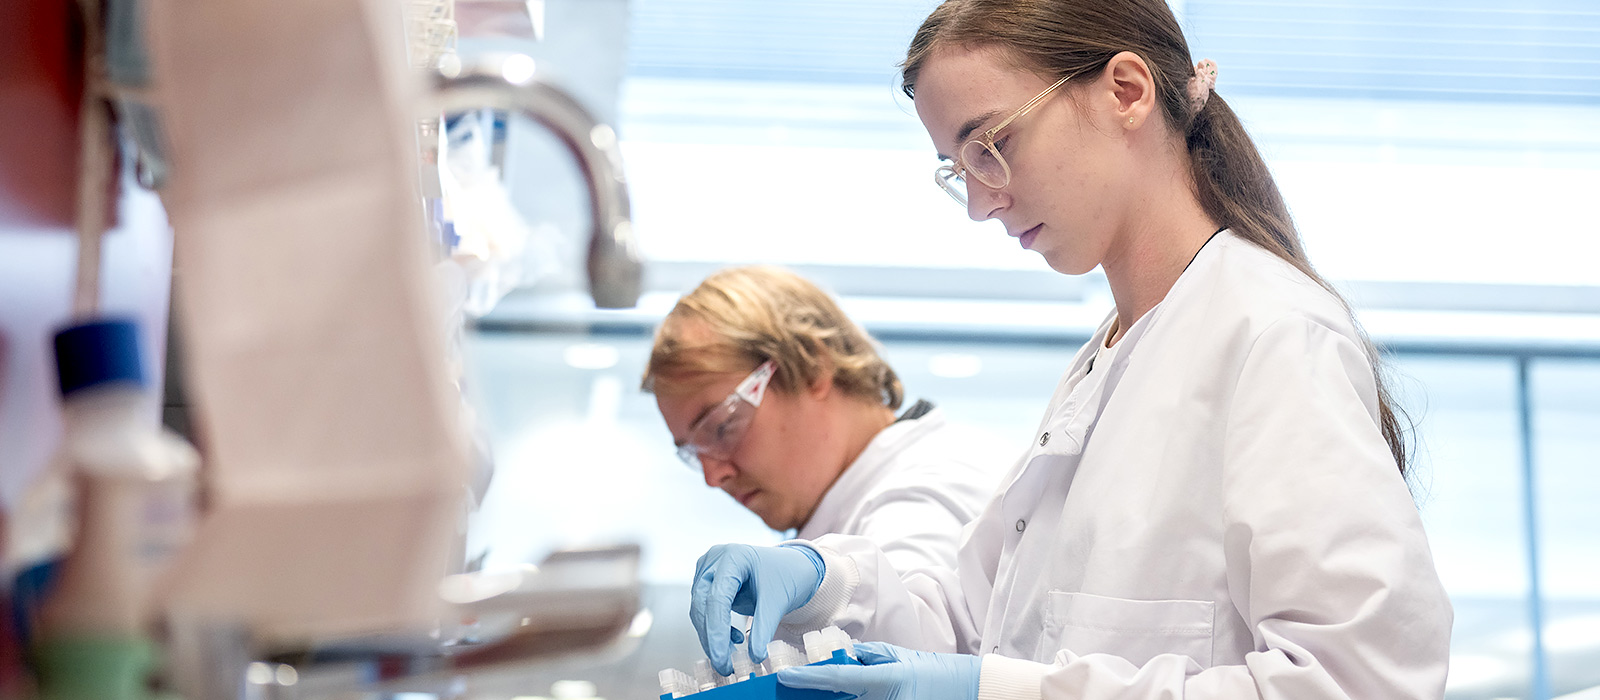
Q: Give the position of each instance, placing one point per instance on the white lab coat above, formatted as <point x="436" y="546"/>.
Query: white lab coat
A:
<point x="1211" y="512"/>
<point x="912" y="490"/>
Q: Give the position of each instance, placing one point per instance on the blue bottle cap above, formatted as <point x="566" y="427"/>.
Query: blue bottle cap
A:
<point x="97" y="352"/>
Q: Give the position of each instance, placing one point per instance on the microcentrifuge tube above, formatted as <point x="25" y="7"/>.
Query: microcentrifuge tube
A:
<point x="742" y="665"/>
<point x="677" y="683"/>
<point x="782" y="655"/>
<point x="815" y="646"/>
<point x="707" y="678"/>
<point x="838" y="640"/>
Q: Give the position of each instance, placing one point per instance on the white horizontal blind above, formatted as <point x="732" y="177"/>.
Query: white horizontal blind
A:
<point x="1407" y="49"/>
<point x="1479" y="50"/>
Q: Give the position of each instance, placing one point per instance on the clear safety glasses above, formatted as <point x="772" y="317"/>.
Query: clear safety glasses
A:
<point x="981" y="159"/>
<point x="717" y="434"/>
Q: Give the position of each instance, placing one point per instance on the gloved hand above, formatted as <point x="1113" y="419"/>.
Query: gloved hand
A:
<point x="889" y="672"/>
<point x="763" y="582"/>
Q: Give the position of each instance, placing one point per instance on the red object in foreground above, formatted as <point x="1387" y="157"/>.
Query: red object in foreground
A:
<point x="41" y="87"/>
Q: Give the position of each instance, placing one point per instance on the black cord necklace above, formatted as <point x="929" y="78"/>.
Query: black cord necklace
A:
<point x="1203" y="247"/>
<point x="1117" y="324"/>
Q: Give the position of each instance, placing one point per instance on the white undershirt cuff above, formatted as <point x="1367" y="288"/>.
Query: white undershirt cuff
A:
<point x="839" y="579"/>
<point x="1003" y="678"/>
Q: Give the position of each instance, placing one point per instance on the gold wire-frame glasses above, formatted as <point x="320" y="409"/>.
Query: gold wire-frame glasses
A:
<point x="981" y="158"/>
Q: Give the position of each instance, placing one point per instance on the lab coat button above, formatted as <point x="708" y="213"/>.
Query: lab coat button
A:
<point x="1021" y="524"/>
<point x="995" y="650"/>
<point x="1044" y="439"/>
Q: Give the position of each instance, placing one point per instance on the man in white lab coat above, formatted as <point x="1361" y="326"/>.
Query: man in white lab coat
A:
<point x="782" y="401"/>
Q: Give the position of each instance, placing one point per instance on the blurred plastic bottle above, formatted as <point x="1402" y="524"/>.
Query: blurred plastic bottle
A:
<point x="134" y="483"/>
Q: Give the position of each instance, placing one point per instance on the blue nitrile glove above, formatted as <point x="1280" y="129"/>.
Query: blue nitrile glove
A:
<point x="889" y="672"/>
<point x="765" y="583"/>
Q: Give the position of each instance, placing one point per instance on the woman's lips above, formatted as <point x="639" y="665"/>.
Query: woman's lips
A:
<point x="1027" y="236"/>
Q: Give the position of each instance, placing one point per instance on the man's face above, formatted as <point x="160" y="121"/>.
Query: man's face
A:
<point x="782" y="464"/>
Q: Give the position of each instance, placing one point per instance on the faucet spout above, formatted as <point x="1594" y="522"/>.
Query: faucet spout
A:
<point x="614" y="266"/>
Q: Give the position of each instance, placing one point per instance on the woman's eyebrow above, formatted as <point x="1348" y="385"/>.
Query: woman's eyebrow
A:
<point x="973" y="123"/>
<point x="967" y="129"/>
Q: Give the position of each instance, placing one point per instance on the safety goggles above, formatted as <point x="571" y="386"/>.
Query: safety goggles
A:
<point x="717" y="434"/>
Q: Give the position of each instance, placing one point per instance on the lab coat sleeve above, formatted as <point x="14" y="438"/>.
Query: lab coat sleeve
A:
<point x="918" y="526"/>
<point x="873" y="596"/>
<point x="865" y="595"/>
<point x="1325" y="553"/>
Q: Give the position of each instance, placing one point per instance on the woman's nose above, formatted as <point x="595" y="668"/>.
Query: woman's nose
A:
<point x="984" y="202"/>
<point x="716" y="471"/>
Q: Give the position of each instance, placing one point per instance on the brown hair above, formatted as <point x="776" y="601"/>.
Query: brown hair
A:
<point x="760" y="313"/>
<point x="1077" y="38"/>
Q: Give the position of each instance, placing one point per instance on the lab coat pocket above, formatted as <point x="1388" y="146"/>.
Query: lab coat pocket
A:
<point x="1136" y="630"/>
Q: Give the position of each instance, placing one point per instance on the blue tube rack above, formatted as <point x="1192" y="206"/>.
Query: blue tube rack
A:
<point x="767" y="687"/>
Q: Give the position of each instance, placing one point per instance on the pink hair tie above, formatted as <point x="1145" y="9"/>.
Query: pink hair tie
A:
<point x="1202" y="83"/>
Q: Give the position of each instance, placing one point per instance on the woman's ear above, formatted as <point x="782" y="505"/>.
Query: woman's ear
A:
<point x="1132" y="89"/>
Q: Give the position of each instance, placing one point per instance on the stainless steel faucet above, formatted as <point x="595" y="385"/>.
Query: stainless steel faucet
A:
<point x="507" y="82"/>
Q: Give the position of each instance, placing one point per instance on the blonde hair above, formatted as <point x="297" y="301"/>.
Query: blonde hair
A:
<point x="1077" y="38"/>
<point x="759" y="313"/>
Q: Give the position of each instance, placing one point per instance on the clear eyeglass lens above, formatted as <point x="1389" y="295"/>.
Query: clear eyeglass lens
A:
<point x="718" y="434"/>
<point x="952" y="184"/>
<point x="690" y="457"/>
<point x="984" y="163"/>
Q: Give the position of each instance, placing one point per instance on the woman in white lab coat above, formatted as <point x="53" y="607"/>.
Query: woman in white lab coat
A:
<point x="1214" y="503"/>
<point x="828" y="449"/>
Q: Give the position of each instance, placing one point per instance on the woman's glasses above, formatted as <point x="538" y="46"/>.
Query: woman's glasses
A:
<point x="981" y="159"/>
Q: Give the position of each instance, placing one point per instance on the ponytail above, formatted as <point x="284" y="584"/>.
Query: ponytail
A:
<point x="1235" y="187"/>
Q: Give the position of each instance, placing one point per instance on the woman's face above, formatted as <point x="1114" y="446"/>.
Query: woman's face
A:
<point x="1067" y="158"/>
<point x="785" y="462"/>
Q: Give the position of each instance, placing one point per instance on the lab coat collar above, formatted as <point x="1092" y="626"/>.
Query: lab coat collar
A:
<point x="1203" y="259"/>
<point x="1080" y="409"/>
<point x="867" y="468"/>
